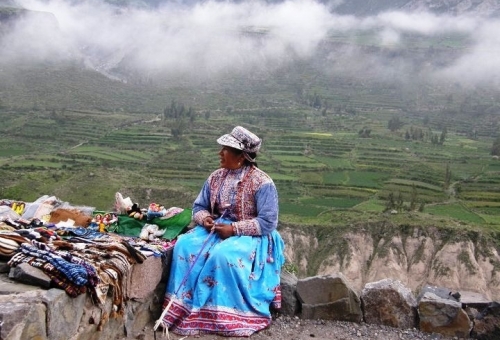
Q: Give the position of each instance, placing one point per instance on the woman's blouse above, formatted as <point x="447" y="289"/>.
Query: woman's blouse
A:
<point x="246" y="195"/>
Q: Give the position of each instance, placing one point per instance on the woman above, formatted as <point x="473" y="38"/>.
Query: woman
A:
<point x="235" y="252"/>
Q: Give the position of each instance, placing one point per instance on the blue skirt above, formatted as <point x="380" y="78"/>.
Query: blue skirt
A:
<point x="230" y="287"/>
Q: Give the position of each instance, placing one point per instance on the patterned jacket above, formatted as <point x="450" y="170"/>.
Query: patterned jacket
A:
<point x="252" y="197"/>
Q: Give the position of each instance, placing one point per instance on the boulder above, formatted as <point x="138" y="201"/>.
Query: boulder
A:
<point x="487" y="323"/>
<point x="443" y="316"/>
<point x="328" y="297"/>
<point x="442" y="292"/>
<point x="388" y="302"/>
<point x="26" y="273"/>
<point x="474" y="300"/>
<point x="289" y="302"/>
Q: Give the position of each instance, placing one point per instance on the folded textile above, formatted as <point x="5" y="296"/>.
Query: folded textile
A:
<point x="173" y="226"/>
<point x="10" y="242"/>
<point x="74" y="272"/>
<point x="51" y="271"/>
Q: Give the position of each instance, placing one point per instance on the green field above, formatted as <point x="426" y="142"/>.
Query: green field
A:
<point x="318" y="173"/>
<point x="326" y="138"/>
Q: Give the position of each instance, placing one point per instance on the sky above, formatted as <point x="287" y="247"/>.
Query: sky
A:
<point x="207" y="38"/>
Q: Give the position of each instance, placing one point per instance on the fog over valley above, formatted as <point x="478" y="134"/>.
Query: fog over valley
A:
<point x="209" y="38"/>
<point x="379" y="120"/>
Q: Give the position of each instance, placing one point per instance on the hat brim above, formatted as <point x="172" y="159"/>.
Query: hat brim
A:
<point x="228" y="140"/>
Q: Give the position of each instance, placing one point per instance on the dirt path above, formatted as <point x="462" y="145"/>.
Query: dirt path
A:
<point x="292" y="328"/>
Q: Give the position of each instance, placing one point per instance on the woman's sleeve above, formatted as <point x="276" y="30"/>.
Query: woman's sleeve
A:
<point x="267" y="208"/>
<point x="201" y="205"/>
<point x="266" y="199"/>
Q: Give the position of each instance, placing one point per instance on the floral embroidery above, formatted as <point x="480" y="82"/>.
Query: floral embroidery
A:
<point x="187" y="295"/>
<point x="240" y="263"/>
<point x="210" y="281"/>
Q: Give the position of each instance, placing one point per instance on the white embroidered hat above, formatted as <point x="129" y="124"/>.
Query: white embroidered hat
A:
<point x="241" y="139"/>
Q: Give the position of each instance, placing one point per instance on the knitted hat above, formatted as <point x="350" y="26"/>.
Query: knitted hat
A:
<point x="241" y="139"/>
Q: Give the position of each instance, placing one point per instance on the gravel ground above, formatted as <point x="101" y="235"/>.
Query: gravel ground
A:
<point x="293" y="328"/>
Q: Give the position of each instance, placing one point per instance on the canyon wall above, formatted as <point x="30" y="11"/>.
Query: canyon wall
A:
<point x="417" y="256"/>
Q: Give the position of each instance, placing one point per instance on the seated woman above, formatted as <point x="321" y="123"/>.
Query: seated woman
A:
<point x="226" y="271"/>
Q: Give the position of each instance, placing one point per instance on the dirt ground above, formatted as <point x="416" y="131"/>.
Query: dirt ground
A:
<point x="293" y="328"/>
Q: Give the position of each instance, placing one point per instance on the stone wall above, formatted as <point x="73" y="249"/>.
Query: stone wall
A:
<point x="32" y="312"/>
<point x="388" y="302"/>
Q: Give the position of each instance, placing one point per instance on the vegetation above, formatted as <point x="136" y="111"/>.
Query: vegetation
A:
<point x="339" y="150"/>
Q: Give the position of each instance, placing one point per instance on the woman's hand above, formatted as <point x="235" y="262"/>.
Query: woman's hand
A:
<point x="208" y="223"/>
<point x="224" y="230"/>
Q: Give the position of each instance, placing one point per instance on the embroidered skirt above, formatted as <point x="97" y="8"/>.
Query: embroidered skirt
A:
<point x="230" y="287"/>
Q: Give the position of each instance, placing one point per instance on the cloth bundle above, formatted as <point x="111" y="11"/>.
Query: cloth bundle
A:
<point x="10" y="242"/>
<point x="151" y="231"/>
<point x="75" y="270"/>
<point x="172" y="226"/>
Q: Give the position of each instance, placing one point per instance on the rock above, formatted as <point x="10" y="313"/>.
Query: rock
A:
<point x="23" y="317"/>
<point x="4" y="267"/>
<point x="328" y="297"/>
<point x="388" y="302"/>
<point x="444" y="316"/>
<point x="62" y="311"/>
<point x="30" y="275"/>
<point x="474" y="299"/>
<point x="289" y="303"/>
<point x="487" y="323"/>
<point x="144" y="278"/>
<point x="10" y="286"/>
<point x="420" y="257"/>
<point x="442" y="292"/>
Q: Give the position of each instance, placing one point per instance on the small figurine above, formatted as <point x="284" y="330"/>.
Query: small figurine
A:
<point x="135" y="212"/>
<point x="99" y="220"/>
<point x="155" y="210"/>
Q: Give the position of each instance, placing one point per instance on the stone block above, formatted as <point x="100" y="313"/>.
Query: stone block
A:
<point x="443" y="316"/>
<point x="23" y="320"/>
<point x="28" y="274"/>
<point x="487" y="323"/>
<point x="289" y="303"/>
<point x="442" y="292"/>
<point x="144" y="278"/>
<point x="328" y="297"/>
<point x="388" y="302"/>
<point x="63" y="313"/>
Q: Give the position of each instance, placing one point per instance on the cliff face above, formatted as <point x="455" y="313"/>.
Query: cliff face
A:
<point x="415" y="256"/>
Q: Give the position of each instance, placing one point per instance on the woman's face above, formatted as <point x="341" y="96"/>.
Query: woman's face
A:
<point x="230" y="158"/>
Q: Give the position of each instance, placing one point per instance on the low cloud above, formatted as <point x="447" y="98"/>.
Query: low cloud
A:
<point x="213" y="37"/>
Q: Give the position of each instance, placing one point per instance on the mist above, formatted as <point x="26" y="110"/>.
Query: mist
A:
<point x="212" y="37"/>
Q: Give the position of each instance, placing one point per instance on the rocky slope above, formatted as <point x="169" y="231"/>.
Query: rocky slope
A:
<point x="458" y="260"/>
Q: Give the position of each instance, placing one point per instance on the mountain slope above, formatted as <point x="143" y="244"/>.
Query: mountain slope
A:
<point x="455" y="7"/>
